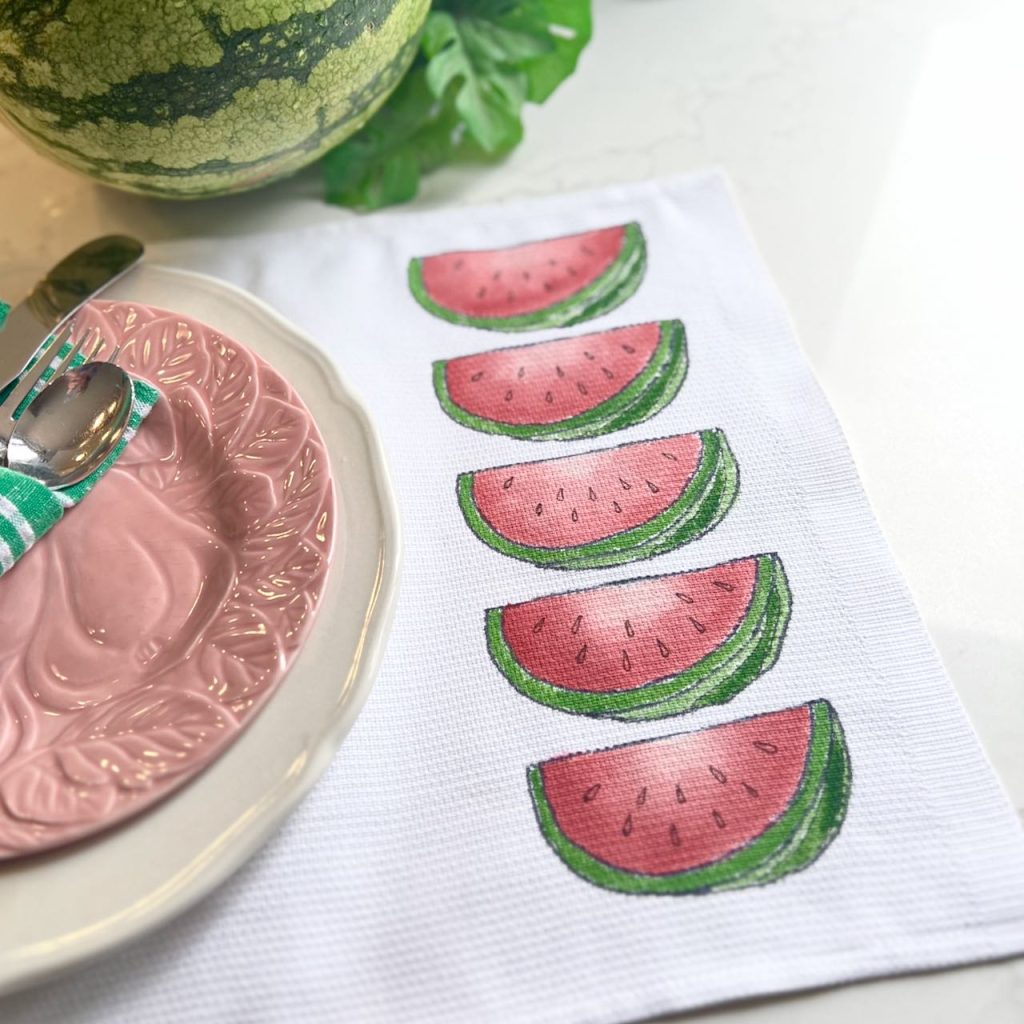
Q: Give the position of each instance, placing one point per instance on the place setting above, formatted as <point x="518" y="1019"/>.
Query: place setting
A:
<point x="175" y="520"/>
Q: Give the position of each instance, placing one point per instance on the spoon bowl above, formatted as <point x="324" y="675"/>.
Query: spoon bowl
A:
<point x="72" y="425"/>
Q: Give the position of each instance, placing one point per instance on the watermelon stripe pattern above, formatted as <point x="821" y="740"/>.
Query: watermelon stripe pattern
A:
<point x="591" y="645"/>
<point x="683" y="515"/>
<point x="670" y="807"/>
<point x="554" y="283"/>
<point x="192" y="102"/>
<point x="569" y="388"/>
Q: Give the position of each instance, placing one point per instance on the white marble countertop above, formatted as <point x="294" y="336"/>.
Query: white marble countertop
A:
<point x="875" y="148"/>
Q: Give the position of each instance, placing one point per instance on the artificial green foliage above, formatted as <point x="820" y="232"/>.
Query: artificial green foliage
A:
<point x="480" y="61"/>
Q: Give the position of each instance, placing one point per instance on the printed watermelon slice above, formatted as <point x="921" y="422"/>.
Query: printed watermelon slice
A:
<point x="728" y="807"/>
<point x="568" y="388"/>
<point x="605" y="507"/>
<point x="646" y="648"/>
<point x="552" y="283"/>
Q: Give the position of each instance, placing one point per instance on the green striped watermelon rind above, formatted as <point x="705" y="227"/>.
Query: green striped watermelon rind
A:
<point x="702" y="506"/>
<point x="601" y="295"/>
<point x="747" y="653"/>
<point x="728" y="679"/>
<point x="49" y="118"/>
<point x="645" y="396"/>
<point x="791" y="843"/>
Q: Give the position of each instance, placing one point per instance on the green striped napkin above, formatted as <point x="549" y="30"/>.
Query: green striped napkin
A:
<point x="28" y="509"/>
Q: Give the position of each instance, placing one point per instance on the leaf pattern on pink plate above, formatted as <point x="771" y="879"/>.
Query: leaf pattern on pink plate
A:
<point x="18" y="727"/>
<point x="211" y="540"/>
<point x="293" y="575"/>
<point x="272" y="383"/>
<point x="272" y="435"/>
<point x="19" y="837"/>
<point x="244" y="500"/>
<point x="163" y="348"/>
<point x="235" y="378"/>
<point x="194" y="458"/>
<point x="38" y="791"/>
<point x="235" y="657"/>
<point x="301" y="498"/>
<point x="153" y="448"/>
<point x="150" y="738"/>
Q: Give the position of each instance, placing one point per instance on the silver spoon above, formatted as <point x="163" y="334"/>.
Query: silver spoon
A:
<point x="72" y="425"/>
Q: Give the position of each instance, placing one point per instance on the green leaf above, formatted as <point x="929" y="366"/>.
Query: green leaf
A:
<point x="488" y="92"/>
<point x="480" y="62"/>
<point x="560" y="29"/>
<point x="569" y="29"/>
<point x="382" y="164"/>
<point x="503" y="45"/>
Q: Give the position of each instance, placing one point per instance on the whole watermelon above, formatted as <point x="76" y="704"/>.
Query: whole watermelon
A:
<point x="193" y="98"/>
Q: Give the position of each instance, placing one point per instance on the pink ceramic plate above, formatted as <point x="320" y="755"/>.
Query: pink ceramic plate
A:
<point x="148" y="628"/>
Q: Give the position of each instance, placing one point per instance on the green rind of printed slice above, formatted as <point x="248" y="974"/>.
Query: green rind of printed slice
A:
<point x="703" y="503"/>
<point x="688" y="523"/>
<point x="667" y="365"/>
<point x="747" y="663"/>
<point x="662" y="390"/>
<point x="732" y="657"/>
<point x="604" y="293"/>
<point x="651" y="390"/>
<point x="794" y="840"/>
<point x="621" y="546"/>
<point x="819" y="828"/>
<point x="696" y="511"/>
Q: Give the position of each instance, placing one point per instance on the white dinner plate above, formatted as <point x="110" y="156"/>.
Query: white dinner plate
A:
<point x="60" y="908"/>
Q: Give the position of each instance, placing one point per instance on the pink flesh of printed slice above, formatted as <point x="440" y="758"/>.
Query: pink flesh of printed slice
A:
<point x="582" y="498"/>
<point x="626" y="635"/>
<point x="550" y="381"/>
<point x="662" y="806"/>
<point x="522" y="279"/>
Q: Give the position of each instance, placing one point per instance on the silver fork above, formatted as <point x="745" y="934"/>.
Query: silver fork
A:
<point x="33" y="376"/>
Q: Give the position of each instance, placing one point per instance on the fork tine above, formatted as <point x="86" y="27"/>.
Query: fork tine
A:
<point x="75" y="349"/>
<point x="48" y="358"/>
<point x="97" y="345"/>
<point x="53" y="349"/>
<point x="31" y="377"/>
